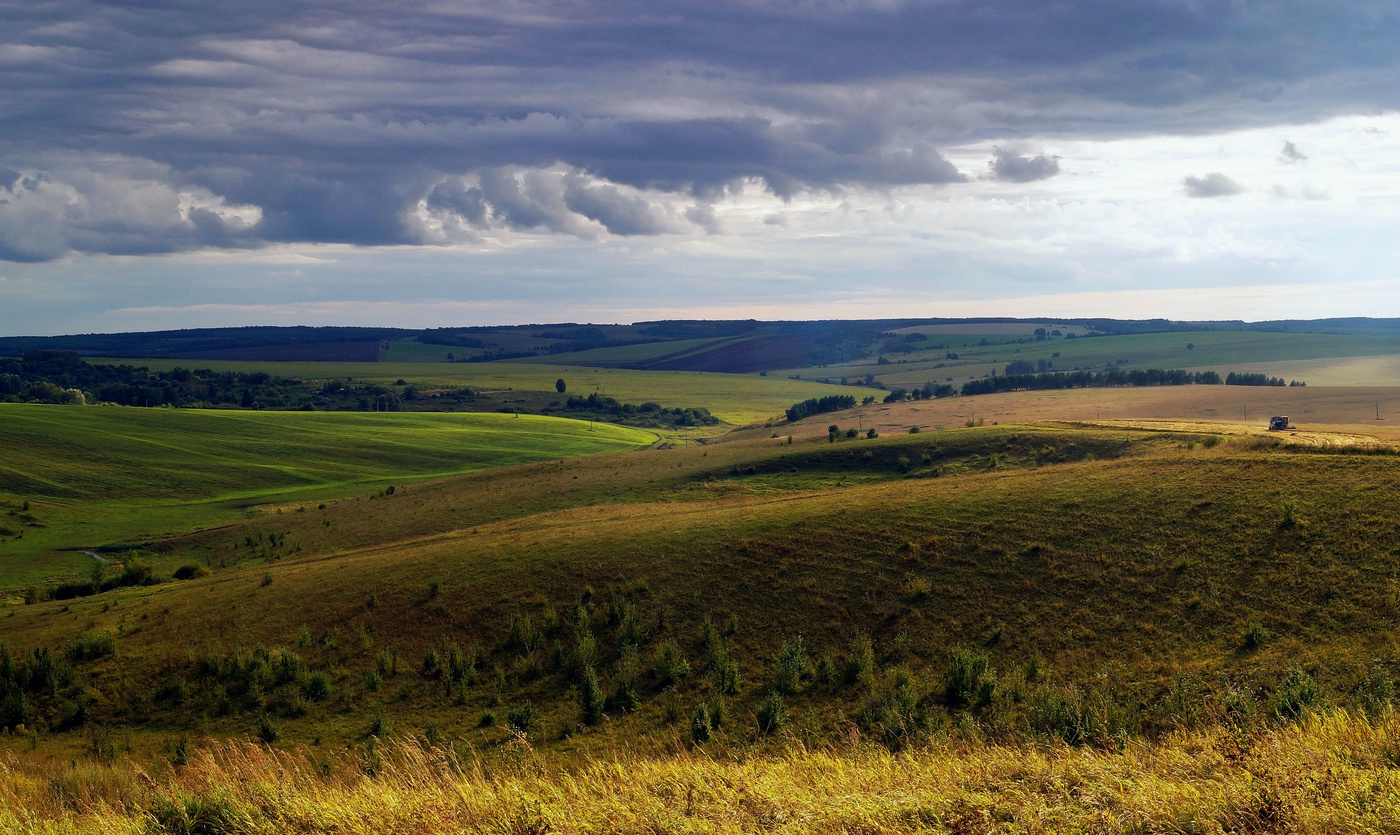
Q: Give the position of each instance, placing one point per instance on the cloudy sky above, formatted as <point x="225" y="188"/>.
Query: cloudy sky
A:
<point x="174" y="163"/>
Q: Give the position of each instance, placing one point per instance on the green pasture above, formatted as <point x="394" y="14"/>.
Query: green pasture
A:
<point x="630" y="353"/>
<point x="411" y="350"/>
<point x="733" y="398"/>
<point x="97" y="475"/>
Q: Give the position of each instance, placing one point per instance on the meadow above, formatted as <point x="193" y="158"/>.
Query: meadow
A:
<point x="979" y="353"/>
<point x="76" y="478"/>
<point x="735" y="399"/>
<point x="1326" y="774"/>
<point x="1105" y="610"/>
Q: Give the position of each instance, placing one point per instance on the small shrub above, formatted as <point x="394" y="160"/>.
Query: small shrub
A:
<point x="792" y="666"/>
<point x="1376" y="692"/>
<point x="700" y="724"/>
<point x="267" y="579"/>
<point x="669" y="664"/>
<point x="590" y="698"/>
<point x="1210" y="441"/>
<point x="860" y="663"/>
<point x="968" y="681"/>
<point x="913" y="430"/>
<point x="318" y="687"/>
<point x="1296" y="696"/>
<point x="432" y="665"/>
<point x="871" y="433"/>
<point x="1288" y="518"/>
<point x="373" y="680"/>
<point x="268" y="729"/>
<point x="771" y="714"/>
<point x="379" y="727"/>
<point x="190" y="572"/>
<point x="725" y="676"/>
<point x="894" y="714"/>
<point x="1256" y="636"/>
<point x="523" y="719"/>
<point x="1076" y="717"/>
<point x="488" y="718"/>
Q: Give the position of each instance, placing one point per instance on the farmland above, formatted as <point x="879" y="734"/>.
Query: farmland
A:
<point x="95" y="476"/>
<point x="1110" y="583"/>
<point x="733" y="398"/>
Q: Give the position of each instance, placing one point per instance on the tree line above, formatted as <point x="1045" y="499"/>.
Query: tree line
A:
<point x="1111" y="378"/>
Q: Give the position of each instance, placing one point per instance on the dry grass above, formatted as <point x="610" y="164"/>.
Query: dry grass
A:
<point x="1348" y="410"/>
<point x="1328" y="774"/>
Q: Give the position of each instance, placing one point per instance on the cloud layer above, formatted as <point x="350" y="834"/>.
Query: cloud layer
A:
<point x="143" y="128"/>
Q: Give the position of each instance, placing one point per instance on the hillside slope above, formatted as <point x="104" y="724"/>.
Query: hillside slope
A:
<point x="1031" y="580"/>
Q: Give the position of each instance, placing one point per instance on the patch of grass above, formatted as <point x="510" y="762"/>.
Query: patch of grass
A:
<point x="105" y="474"/>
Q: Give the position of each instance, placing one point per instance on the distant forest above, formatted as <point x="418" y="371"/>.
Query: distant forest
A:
<point x="749" y="345"/>
<point x="63" y="377"/>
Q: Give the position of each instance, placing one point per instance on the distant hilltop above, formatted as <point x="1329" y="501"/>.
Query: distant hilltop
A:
<point x="736" y="346"/>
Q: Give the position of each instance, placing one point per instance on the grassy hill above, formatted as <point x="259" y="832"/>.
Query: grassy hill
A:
<point x="1031" y="581"/>
<point x="78" y="478"/>
<point x="733" y="398"/>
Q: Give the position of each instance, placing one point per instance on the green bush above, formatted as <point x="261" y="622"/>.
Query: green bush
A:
<point x="669" y="664"/>
<point x="968" y="681"/>
<point x="432" y="665"/>
<point x="318" y="687"/>
<point x="700" y="724"/>
<point x="590" y="698"/>
<point x="771" y="714"/>
<point x="860" y="662"/>
<point x="191" y="571"/>
<point x="1296" y="696"/>
<point x="792" y="666"/>
<point x="894" y="714"/>
<point x="268" y="729"/>
<point x="523" y="719"/>
<point x="1256" y="636"/>
<point x="1078" y="718"/>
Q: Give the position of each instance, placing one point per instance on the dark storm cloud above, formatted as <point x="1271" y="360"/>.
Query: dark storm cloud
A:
<point x="1213" y="184"/>
<point x="1014" y="168"/>
<point x="350" y="122"/>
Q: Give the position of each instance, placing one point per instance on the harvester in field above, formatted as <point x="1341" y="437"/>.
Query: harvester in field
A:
<point x="1279" y="423"/>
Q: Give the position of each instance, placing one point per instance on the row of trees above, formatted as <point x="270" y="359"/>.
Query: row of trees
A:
<point x="1091" y="379"/>
<point x="819" y="406"/>
<point x="646" y="414"/>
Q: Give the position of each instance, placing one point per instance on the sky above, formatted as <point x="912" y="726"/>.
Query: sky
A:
<point x="172" y="163"/>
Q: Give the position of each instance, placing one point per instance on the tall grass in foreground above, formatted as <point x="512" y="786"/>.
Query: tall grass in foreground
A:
<point x="1328" y="773"/>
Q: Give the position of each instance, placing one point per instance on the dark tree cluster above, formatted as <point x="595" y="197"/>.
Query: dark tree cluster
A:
<point x="646" y="414"/>
<point x="927" y="391"/>
<point x="820" y="406"/>
<point x="1235" y="378"/>
<point x="1112" y="378"/>
<point x="54" y="377"/>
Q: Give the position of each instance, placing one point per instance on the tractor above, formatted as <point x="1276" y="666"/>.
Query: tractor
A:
<point x="1279" y="423"/>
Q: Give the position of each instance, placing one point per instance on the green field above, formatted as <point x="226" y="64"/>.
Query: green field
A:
<point x="411" y="350"/>
<point x="631" y="353"/>
<point x="105" y="474"/>
<point x="733" y="398"/>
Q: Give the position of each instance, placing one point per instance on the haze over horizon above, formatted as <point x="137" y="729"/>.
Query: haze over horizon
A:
<point x="427" y="164"/>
